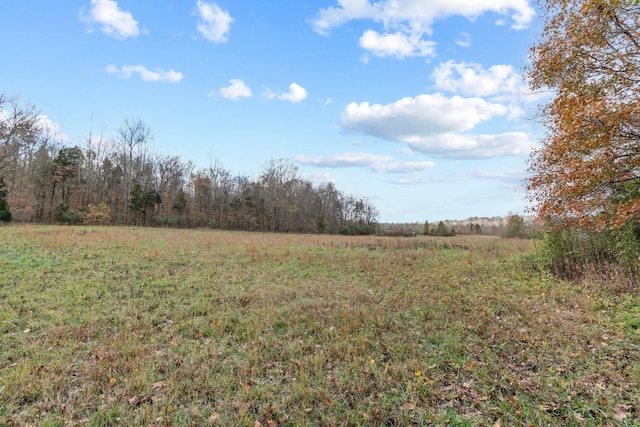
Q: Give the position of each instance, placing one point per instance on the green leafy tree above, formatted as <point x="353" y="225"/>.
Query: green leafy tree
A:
<point x="5" y="214"/>
<point x="515" y="227"/>
<point x="143" y="200"/>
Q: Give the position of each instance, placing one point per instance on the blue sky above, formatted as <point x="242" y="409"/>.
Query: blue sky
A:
<point x="417" y="105"/>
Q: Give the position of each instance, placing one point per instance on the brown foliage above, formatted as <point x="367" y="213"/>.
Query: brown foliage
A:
<point x="587" y="170"/>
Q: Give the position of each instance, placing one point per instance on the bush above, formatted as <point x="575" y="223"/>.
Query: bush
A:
<point x="98" y="214"/>
<point x="67" y="216"/>
<point x="573" y="254"/>
<point x="359" y="229"/>
<point x="627" y="242"/>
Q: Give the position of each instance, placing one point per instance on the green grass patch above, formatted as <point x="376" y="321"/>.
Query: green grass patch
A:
<point x="129" y="326"/>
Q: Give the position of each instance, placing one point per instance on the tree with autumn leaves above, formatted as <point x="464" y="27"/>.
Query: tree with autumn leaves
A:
<point x="586" y="173"/>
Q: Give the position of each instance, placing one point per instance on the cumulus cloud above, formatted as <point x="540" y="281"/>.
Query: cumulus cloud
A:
<point x="411" y="119"/>
<point x="237" y="89"/>
<point x="406" y="22"/>
<point x="50" y="128"/>
<point x="331" y="17"/>
<point x="437" y="125"/>
<point x="114" y="21"/>
<point x="295" y="95"/>
<point x="396" y="44"/>
<point x="419" y="15"/>
<point x="157" y="75"/>
<point x="501" y="82"/>
<point x="214" y="23"/>
<point x="466" y="147"/>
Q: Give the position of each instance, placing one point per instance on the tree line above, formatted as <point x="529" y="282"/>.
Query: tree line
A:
<point x="121" y="180"/>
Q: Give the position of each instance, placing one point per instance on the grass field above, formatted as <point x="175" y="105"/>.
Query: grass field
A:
<point x="155" y="327"/>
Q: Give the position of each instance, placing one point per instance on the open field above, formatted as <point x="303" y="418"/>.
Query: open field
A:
<point x="124" y="326"/>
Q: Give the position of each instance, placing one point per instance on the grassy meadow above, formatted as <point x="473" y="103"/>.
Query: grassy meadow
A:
<point x="103" y="326"/>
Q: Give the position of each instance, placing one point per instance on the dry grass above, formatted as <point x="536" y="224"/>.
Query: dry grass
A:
<point x="122" y="326"/>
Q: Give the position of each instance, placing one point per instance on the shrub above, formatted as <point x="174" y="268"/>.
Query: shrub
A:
<point x="359" y="229"/>
<point x="98" y="214"/>
<point x="67" y="216"/>
<point x="572" y="254"/>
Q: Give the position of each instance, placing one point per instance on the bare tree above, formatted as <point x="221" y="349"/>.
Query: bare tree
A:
<point x="278" y="179"/>
<point x="133" y="139"/>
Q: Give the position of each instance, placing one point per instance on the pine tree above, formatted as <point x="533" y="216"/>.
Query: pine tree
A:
<point x="5" y="214"/>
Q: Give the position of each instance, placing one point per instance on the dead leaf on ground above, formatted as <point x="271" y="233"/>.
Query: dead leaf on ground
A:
<point x="408" y="407"/>
<point x="621" y="412"/>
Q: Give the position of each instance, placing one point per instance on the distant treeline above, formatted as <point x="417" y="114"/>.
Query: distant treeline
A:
<point x="513" y="225"/>
<point x="121" y="180"/>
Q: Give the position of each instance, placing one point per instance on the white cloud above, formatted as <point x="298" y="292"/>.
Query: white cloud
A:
<point x="157" y="75"/>
<point x="332" y="17"/>
<point x="464" y="40"/>
<point x="51" y="128"/>
<point x="215" y="23"/>
<point x="405" y="22"/>
<point x="396" y="44"/>
<point x="500" y="81"/>
<point x="437" y="125"/>
<point x="344" y="160"/>
<point x="510" y="176"/>
<point x="412" y="180"/>
<point x="419" y="15"/>
<point x="321" y="178"/>
<point x="379" y="163"/>
<point x="268" y="94"/>
<point x="114" y="22"/>
<point x="404" y="167"/>
<point x="296" y="94"/>
<point x="410" y="119"/>
<point x="236" y="89"/>
<point x="465" y="147"/>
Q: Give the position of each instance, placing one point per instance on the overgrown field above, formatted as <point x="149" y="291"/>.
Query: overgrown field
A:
<point x="123" y="326"/>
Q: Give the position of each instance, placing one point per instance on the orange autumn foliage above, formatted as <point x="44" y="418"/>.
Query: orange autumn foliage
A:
<point x="587" y="170"/>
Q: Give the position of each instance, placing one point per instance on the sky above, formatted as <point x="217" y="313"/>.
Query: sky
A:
<point x="418" y="106"/>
